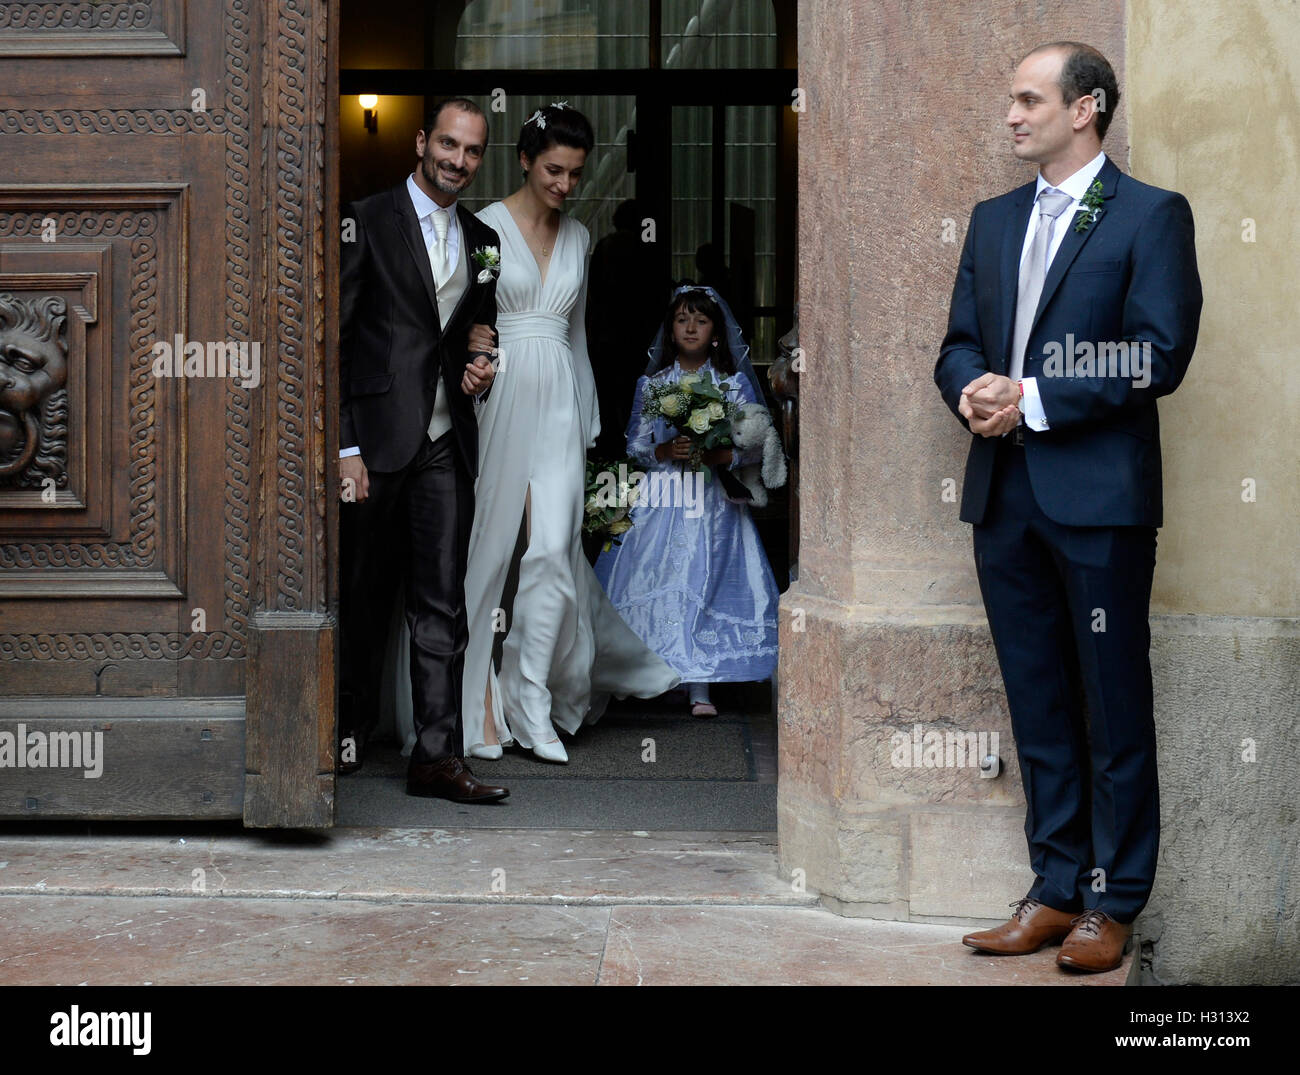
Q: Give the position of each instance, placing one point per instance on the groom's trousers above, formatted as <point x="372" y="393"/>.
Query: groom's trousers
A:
<point x="1065" y="604"/>
<point x="417" y="521"/>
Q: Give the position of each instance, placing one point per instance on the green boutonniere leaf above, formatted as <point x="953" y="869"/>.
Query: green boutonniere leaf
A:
<point x="1090" y="206"/>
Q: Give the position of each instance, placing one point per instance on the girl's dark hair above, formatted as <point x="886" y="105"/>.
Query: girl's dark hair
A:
<point x="697" y="301"/>
<point x="564" y="127"/>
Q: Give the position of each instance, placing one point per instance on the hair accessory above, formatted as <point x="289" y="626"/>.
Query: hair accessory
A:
<point x="537" y="118"/>
<point x="559" y="104"/>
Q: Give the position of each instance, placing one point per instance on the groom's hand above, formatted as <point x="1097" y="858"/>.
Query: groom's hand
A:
<point x="354" y="479"/>
<point x="478" y="375"/>
<point x="987" y="395"/>
<point x="1003" y="421"/>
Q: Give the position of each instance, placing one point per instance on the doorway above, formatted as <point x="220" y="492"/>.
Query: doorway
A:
<point x="690" y="102"/>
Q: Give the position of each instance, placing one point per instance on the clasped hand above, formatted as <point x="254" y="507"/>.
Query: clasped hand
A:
<point x="991" y="405"/>
<point x="480" y="372"/>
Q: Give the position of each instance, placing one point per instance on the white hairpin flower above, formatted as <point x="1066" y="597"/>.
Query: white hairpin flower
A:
<point x="559" y="104"/>
<point x="537" y="118"/>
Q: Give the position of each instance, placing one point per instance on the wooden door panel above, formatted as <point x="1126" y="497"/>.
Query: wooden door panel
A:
<point x="150" y="205"/>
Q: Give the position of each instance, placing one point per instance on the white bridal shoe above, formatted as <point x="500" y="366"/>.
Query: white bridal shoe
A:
<point x="551" y="752"/>
<point x="490" y="753"/>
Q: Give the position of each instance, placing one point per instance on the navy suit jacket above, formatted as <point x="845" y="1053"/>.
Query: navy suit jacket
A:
<point x="1129" y="278"/>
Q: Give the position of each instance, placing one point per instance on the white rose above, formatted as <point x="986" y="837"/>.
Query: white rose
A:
<point x="716" y="412"/>
<point x="688" y="380"/>
<point x="672" y="404"/>
<point x="592" y="506"/>
<point x="698" y="421"/>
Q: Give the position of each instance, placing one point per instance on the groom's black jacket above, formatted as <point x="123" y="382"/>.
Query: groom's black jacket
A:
<point x="394" y="352"/>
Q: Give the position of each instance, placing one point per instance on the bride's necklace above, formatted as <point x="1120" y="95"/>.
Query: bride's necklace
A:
<point x="545" y="252"/>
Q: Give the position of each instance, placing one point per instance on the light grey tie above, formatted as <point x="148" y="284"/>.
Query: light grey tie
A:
<point x="1051" y="204"/>
<point x="438" y="251"/>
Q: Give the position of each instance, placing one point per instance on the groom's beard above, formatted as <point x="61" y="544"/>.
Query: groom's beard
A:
<point x="446" y="180"/>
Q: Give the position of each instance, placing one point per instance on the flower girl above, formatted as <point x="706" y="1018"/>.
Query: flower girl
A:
<point x="690" y="577"/>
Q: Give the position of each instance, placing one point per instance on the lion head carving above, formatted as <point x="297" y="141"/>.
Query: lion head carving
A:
<point x="33" y="396"/>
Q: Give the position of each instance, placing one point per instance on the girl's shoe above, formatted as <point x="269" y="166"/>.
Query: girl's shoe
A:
<point x="488" y="752"/>
<point x="704" y="709"/>
<point x="551" y="752"/>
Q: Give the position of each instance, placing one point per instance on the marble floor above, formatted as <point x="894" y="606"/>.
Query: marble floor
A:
<point x="353" y="906"/>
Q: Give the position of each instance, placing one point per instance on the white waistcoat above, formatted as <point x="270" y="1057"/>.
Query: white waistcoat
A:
<point x="448" y="298"/>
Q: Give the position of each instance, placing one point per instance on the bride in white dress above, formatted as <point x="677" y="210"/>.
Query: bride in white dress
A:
<point x="566" y="649"/>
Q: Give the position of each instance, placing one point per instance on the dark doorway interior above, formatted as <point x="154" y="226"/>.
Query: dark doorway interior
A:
<point x="693" y="124"/>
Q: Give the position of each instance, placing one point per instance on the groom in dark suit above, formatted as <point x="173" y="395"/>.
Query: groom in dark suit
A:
<point x="414" y="277"/>
<point x="1076" y="306"/>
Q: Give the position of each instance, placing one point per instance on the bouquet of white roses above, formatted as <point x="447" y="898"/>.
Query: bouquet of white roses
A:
<point x="697" y="408"/>
<point x="612" y="491"/>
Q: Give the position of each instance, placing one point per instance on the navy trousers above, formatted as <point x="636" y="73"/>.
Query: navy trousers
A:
<point x="1068" y="608"/>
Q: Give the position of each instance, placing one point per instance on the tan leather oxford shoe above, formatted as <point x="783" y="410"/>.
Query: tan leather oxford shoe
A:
<point x="1033" y="924"/>
<point x="1096" y="943"/>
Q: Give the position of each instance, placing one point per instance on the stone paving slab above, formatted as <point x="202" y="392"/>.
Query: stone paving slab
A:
<point x="808" y="946"/>
<point x="81" y="940"/>
<point x="426" y="865"/>
<point x="88" y="940"/>
<point x="436" y="906"/>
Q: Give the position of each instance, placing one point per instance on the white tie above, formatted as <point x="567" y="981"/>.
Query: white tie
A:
<point x="1033" y="273"/>
<point x="438" y="252"/>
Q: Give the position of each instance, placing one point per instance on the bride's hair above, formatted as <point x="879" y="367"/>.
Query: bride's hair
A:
<point x="697" y="302"/>
<point x="555" y="125"/>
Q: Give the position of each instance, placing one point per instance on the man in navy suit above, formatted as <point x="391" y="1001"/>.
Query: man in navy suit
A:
<point x="1075" y="307"/>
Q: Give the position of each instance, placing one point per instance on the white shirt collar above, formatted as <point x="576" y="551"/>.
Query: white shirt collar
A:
<point x="424" y="205"/>
<point x="1076" y="186"/>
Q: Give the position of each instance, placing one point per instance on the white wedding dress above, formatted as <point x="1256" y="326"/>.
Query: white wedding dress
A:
<point x="566" y="649"/>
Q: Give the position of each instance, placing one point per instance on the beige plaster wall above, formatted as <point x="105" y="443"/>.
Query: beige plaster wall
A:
<point x="1213" y="104"/>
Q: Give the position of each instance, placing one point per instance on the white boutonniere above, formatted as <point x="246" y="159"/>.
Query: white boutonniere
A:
<point x="488" y="259"/>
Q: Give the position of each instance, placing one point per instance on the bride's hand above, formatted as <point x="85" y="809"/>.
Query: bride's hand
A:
<point x="478" y="375"/>
<point x="482" y="340"/>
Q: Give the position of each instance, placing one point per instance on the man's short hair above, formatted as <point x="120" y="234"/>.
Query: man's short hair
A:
<point x="1086" y="71"/>
<point x="462" y="103"/>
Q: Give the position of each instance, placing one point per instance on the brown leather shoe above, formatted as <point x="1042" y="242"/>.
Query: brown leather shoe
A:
<point x="1032" y="925"/>
<point x="451" y="779"/>
<point x="1096" y="943"/>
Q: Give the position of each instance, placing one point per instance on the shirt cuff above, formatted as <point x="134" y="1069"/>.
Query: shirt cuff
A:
<point x="345" y="452"/>
<point x="1035" y="418"/>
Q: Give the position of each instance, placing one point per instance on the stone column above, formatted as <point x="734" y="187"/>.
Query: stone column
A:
<point x="885" y="630"/>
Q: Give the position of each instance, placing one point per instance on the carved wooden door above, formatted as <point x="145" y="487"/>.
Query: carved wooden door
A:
<point x="166" y="647"/>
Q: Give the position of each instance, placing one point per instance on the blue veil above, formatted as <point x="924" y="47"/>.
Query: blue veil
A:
<point x="735" y="340"/>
